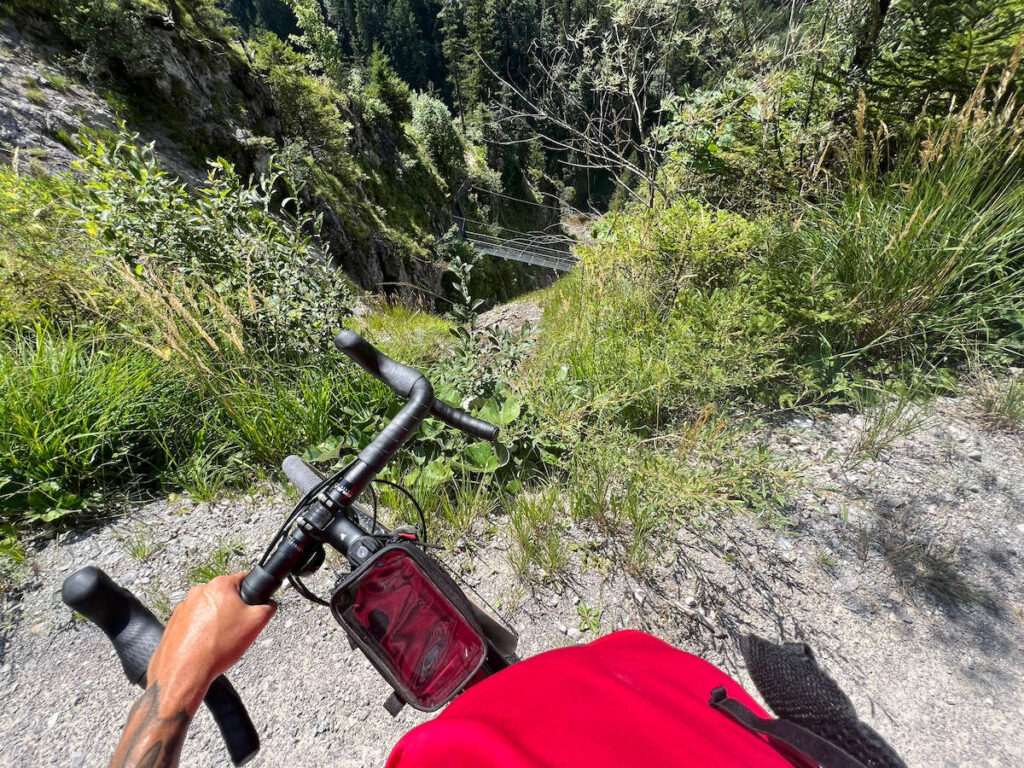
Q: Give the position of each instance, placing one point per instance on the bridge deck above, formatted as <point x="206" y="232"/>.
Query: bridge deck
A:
<point x="539" y="256"/>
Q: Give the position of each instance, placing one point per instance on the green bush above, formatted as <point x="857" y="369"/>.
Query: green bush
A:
<point x="663" y="316"/>
<point x="432" y="124"/>
<point x="237" y="252"/>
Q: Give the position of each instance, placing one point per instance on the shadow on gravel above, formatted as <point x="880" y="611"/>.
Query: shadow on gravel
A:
<point x="925" y="564"/>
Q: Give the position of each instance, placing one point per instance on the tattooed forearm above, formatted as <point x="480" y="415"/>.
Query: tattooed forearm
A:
<point x="149" y="740"/>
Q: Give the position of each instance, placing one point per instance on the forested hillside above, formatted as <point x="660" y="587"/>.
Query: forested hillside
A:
<point x="798" y="238"/>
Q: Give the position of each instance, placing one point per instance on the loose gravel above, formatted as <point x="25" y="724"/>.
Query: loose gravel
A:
<point x="903" y="572"/>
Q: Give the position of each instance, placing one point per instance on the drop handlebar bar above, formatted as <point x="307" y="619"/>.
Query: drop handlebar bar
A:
<point x="325" y="517"/>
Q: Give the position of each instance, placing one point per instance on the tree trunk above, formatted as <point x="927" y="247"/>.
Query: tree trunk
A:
<point x="867" y="39"/>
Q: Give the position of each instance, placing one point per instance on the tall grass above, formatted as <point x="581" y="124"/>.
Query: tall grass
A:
<point x="75" y="416"/>
<point x="82" y="413"/>
<point x="923" y="259"/>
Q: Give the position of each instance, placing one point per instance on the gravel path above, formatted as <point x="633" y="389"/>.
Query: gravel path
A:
<point x="904" y="574"/>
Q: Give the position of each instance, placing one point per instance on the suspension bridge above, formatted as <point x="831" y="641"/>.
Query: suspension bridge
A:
<point x="541" y="249"/>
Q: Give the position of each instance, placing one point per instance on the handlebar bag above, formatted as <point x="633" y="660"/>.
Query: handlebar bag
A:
<point x="413" y="623"/>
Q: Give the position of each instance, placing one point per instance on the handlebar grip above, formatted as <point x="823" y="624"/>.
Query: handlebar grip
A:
<point x="301" y="475"/>
<point x="459" y="419"/>
<point x="135" y="633"/>
<point x="401" y="378"/>
<point x="131" y="627"/>
<point x="237" y="730"/>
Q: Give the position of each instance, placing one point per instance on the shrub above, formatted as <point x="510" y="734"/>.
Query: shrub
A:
<point x="220" y="250"/>
<point x="664" y="315"/>
<point x="432" y="124"/>
<point x="156" y="333"/>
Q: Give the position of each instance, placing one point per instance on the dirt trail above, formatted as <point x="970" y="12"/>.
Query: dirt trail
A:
<point x="904" y="574"/>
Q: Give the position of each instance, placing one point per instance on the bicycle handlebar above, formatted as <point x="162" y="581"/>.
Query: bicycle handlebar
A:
<point x="264" y="579"/>
<point x="403" y="379"/>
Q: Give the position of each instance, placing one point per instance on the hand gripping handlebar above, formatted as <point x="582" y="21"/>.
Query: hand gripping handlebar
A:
<point x="135" y="633"/>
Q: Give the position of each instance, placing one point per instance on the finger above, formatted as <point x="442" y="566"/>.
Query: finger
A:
<point x="234" y="579"/>
<point x="267" y="610"/>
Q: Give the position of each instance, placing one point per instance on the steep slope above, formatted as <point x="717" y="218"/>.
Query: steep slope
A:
<point x="180" y="81"/>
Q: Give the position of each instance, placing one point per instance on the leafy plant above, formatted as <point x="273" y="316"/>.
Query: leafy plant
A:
<point x="10" y="548"/>
<point x="238" y="243"/>
<point x="590" y="618"/>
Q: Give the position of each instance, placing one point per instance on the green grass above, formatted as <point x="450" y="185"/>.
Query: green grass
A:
<point x="537" y="533"/>
<point x="404" y="333"/>
<point x="1002" y="402"/>
<point x="75" y="417"/>
<point x="35" y="95"/>
<point x="229" y="556"/>
<point x="682" y="320"/>
<point x="56" y="80"/>
<point x="886" y="417"/>
<point x="923" y="262"/>
<point x="138" y="541"/>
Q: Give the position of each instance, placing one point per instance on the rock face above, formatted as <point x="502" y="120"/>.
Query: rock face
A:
<point x="200" y="99"/>
<point x="39" y="104"/>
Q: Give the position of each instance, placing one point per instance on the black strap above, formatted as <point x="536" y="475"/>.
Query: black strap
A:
<point x="394" y="704"/>
<point x="782" y="733"/>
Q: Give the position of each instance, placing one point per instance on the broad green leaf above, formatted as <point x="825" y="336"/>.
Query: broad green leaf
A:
<point x="430" y="475"/>
<point x="483" y="457"/>
<point x="503" y="414"/>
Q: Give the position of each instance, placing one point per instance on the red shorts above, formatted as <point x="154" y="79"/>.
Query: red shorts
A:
<point x="624" y="700"/>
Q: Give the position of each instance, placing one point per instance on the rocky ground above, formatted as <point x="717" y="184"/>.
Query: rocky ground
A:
<point x="904" y="572"/>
